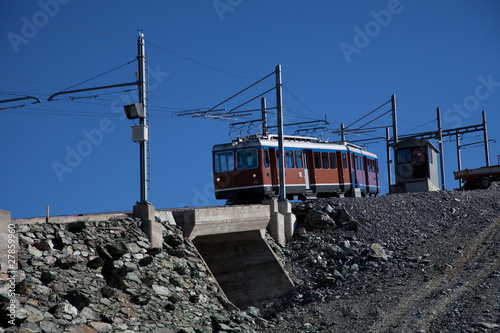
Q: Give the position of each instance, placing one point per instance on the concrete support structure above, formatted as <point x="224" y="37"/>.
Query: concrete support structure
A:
<point x="244" y="266"/>
<point x="232" y="242"/>
<point x="282" y="221"/>
<point x="146" y="212"/>
<point x="285" y="209"/>
<point x="276" y="226"/>
<point x="4" y="242"/>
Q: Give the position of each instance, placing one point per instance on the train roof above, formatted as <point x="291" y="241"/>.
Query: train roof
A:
<point x="291" y="141"/>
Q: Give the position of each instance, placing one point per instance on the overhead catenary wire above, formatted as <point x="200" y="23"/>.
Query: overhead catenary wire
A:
<point x="427" y="123"/>
<point x="24" y="20"/>
<point x="233" y="96"/>
<point x="252" y="99"/>
<point x="298" y="100"/>
<point x="369" y="113"/>
<point x="30" y="81"/>
<point x="99" y="75"/>
<point x="371" y="121"/>
<point x="197" y="62"/>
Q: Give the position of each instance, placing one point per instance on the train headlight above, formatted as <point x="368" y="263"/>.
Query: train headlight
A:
<point x="218" y="179"/>
<point x="254" y="175"/>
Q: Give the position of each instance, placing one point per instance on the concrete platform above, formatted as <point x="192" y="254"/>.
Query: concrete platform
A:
<point x="204" y="221"/>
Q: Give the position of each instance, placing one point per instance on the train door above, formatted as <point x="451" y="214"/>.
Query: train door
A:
<point x="353" y="171"/>
<point x="365" y="172"/>
<point x="274" y="169"/>
<point x="345" y="187"/>
<point x="305" y="162"/>
<point x="340" y="167"/>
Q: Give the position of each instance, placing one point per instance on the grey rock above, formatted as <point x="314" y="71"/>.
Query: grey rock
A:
<point x="377" y="251"/>
<point x="26" y="240"/>
<point x="76" y="227"/>
<point x="161" y="290"/>
<point x="35" y="252"/>
<point x="107" y="292"/>
<point x="43" y="245"/>
<point x="319" y="219"/>
<point x="154" y="251"/>
<point x="101" y="327"/>
<point x="95" y="263"/>
<point x="48" y="276"/>
<point x="141" y="299"/>
<point x="25" y="287"/>
<point x="67" y="262"/>
<point x="77" y="299"/>
<point x="50" y="327"/>
<point x="116" y="249"/>
<point x="65" y="308"/>
<point x="486" y="325"/>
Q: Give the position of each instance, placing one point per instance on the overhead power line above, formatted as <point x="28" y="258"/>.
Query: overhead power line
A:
<point x="99" y="75"/>
<point x="298" y="100"/>
<point x="369" y="113"/>
<point x="67" y="28"/>
<point x="198" y="62"/>
<point x="29" y="81"/>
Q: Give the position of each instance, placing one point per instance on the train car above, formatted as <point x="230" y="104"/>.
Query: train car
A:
<point x="246" y="170"/>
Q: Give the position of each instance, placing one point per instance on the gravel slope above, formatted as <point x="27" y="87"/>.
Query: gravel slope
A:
<point x="438" y="271"/>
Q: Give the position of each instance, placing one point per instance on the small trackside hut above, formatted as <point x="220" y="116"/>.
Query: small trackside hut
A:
<point x="417" y="167"/>
<point x="246" y="170"/>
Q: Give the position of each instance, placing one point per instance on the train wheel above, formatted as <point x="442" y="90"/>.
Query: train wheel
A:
<point x="483" y="183"/>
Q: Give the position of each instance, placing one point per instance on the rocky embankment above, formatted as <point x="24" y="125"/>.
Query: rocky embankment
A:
<point x="423" y="262"/>
<point x="105" y="277"/>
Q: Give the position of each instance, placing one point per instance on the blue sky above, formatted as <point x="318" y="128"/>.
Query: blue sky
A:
<point x="339" y="58"/>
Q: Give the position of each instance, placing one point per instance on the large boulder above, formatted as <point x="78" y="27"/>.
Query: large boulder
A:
<point x="319" y="219"/>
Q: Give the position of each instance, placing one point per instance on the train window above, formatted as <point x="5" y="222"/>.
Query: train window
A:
<point x="246" y="159"/>
<point x="266" y="158"/>
<point x="344" y="161"/>
<point x="324" y="158"/>
<point x="317" y="160"/>
<point x="333" y="162"/>
<point x="298" y="160"/>
<point x="403" y="155"/>
<point x="224" y="161"/>
<point x="289" y="159"/>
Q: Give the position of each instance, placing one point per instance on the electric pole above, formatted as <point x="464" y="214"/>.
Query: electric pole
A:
<point x="142" y="118"/>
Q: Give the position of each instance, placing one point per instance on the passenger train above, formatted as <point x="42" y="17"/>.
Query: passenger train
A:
<point x="247" y="169"/>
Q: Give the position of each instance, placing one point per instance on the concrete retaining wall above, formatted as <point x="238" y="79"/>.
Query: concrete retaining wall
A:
<point x="245" y="267"/>
<point x="232" y="242"/>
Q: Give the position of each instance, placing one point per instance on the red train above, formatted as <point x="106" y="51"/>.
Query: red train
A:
<point x="246" y="170"/>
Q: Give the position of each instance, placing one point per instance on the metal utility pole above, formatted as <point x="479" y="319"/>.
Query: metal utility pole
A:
<point x="441" y="154"/>
<point x="264" y="116"/>
<point x="342" y="133"/>
<point x="394" y="119"/>
<point x="281" y="148"/>
<point x="459" y="158"/>
<point x="486" y="145"/>
<point x="142" y="100"/>
<point x="388" y="141"/>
